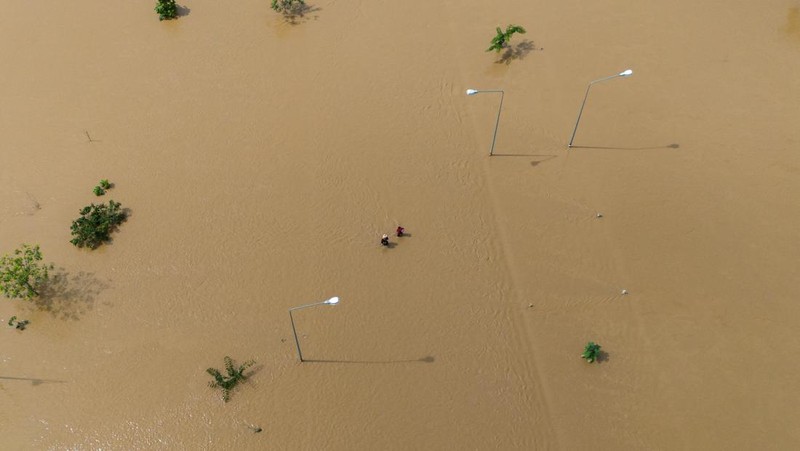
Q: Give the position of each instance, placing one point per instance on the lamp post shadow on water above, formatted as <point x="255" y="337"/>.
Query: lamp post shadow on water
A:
<point x="332" y="301"/>
<point x="626" y="73"/>
<point x="472" y="92"/>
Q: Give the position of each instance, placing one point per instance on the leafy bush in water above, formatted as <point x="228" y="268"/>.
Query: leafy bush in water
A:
<point x="500" y="41"/>
<point x="229" y="382"/>
<point x="101" y="187"/>
<point x="288" y="7"/>
<point x="166" y="9"/>
<point x="96" y="223"/>
<point x="21" y="273"/>
<point x="591" y="352"/>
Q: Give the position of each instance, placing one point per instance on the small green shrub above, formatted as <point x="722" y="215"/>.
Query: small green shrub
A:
<point x="288" y="7"/>
<point x="166" y="9"/>
<point x="591" y="352"/>
<point x="500" y="41"/>
<point x="98" y="191"/>
<point x="96" y="223"/>
<point x="229" y="382"/>
<point x="104" y="184"/>
<point x="21" y="273"/>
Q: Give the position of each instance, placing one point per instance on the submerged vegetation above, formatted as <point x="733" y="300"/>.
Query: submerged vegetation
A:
<point x="21" y="325"/>
<point x="289" y="8"/>
<point x="500" y="41"/>
<point x="229" y="382"/>
<point x="101" y="187"/>
<point x="591" y="352"/>
<point x="166" y="9"/>
<point x="96" y="223"/>
<point x="21" y="273"/>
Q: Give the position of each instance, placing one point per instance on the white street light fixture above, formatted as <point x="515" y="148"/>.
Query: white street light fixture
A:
<point x="625" y="73"/>
<point x="332" y="301"/>
<point x="472" y="92"/>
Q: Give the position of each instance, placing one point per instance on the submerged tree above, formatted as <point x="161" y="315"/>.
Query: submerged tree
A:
<point x="166" y="9"/>
<point x="289" y="8"/>
<point x="21" y="273"/>
<point x="229" y="382"/>
<point x="96" y="223"/>
<point x="591" y="352"/>
<point x="500" y="41"/>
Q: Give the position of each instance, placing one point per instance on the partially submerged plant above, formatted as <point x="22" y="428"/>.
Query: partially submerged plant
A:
<point x="166" y="9"/>
<point x="289" y="8"/>
<point x="101" y="187"/>
<point x="229" y="382"/>
<point x="21" y="273"/>
<point x="500" y="41"/>
<point x="591" y="352"/>
<point x="21" y="325"/>
<point x="96" y="223"/>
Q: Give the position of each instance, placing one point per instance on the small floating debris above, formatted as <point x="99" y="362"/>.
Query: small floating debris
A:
<point x="624" y="292"/>
<point x="599" y="215"/>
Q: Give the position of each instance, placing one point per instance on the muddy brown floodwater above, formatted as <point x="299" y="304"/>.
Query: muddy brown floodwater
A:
<point x="261" y="161"/>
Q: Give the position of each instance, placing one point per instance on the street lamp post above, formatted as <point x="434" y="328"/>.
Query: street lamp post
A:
<point x="472" y="92"/>
<point x="332" y="301"/>
<point x="626" y="73"/>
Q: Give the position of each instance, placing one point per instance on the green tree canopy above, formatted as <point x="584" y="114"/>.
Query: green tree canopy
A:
<point x="96" y="223"/>
<point x="166" y="9"/>
<point x="21" y="273"/>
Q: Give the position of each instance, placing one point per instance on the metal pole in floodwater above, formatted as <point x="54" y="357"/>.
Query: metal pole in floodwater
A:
<point x="626" y="73"/>
<point x="472" y="92"/>
<point x="332" y="301"/>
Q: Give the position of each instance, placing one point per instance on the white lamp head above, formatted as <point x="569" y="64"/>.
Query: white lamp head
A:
<point x="472" y="92"/>
<point x="627" y="73"/>
<point x="332" y="301"/>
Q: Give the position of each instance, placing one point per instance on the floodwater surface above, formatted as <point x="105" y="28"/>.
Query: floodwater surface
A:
<point x="262" y="160"/>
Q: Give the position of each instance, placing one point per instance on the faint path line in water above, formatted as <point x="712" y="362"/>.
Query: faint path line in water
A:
<point x="34" y="380"/>
<point x="520" y="332"/>
<point x="509" y="284"/>
<point x="426" y="359"/>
